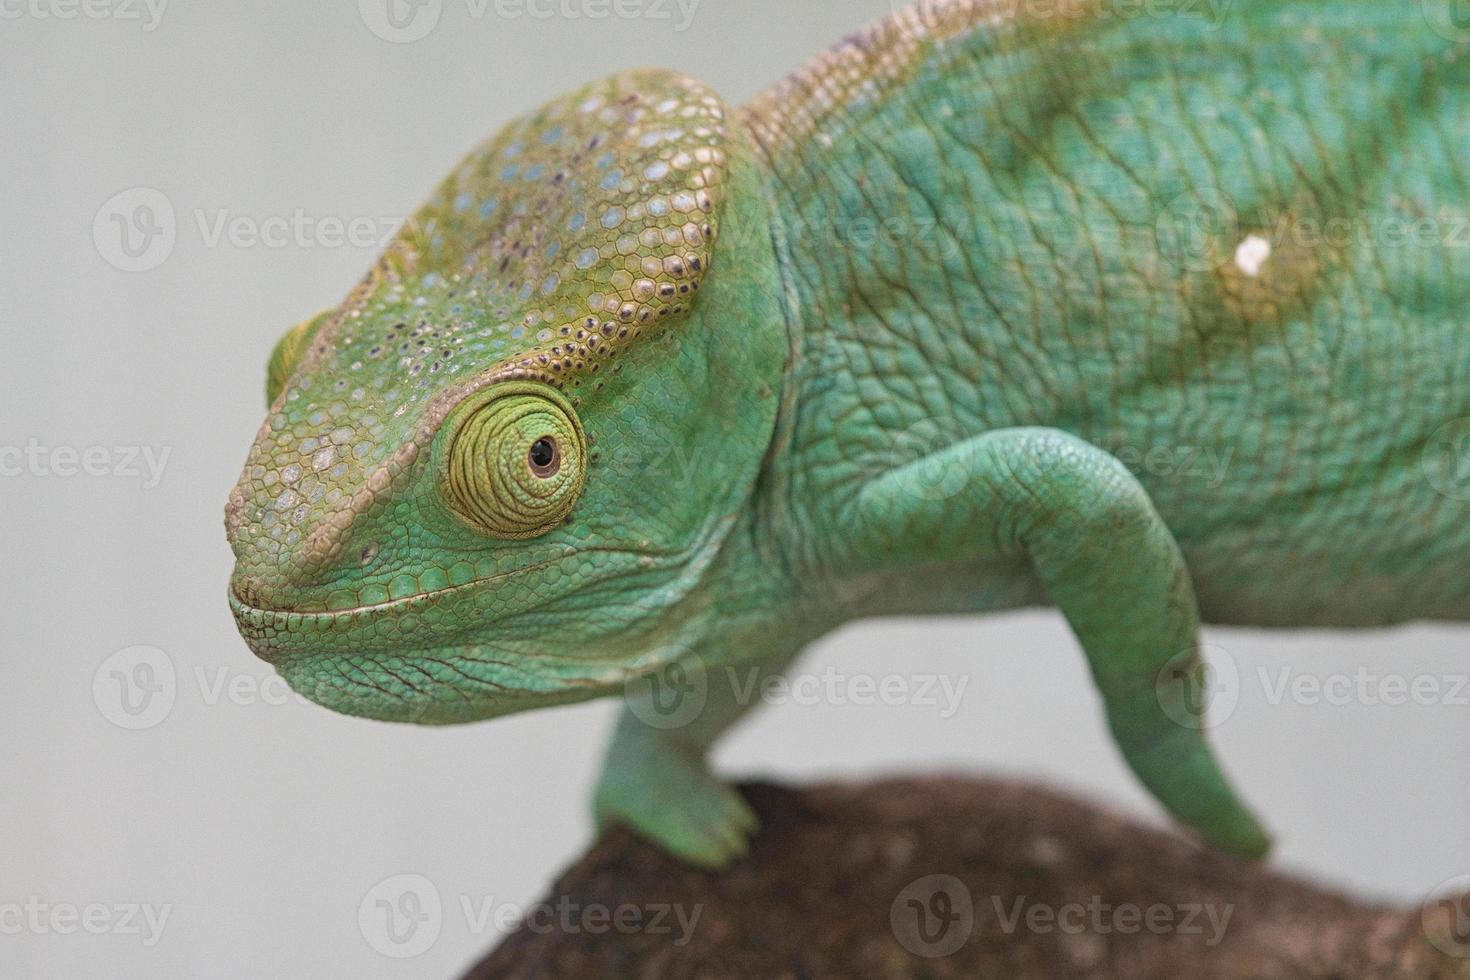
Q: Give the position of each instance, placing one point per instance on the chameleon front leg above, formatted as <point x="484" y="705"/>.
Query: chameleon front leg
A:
<point x="1109" y="563"/>
<point x="656" y="779"/>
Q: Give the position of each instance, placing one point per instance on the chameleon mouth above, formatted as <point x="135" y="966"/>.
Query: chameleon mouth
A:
<point x="381" y="661"/>
<point x="273" y="633"/>
<point x="243" y="604"/>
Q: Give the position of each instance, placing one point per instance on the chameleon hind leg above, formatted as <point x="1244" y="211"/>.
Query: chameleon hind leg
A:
<point x="1108" y="562"/>
<point x="656" y="779"/>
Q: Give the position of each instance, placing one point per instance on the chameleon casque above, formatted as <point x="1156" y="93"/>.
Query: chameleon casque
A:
<point x="652" y="381"/>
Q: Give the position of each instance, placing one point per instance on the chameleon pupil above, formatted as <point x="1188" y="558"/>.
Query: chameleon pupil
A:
<point x="544" y="457"/>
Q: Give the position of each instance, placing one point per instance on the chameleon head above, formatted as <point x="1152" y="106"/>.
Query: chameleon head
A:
<point x="499" y="474"/>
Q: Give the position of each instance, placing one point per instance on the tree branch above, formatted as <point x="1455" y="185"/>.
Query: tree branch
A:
<point x="938" y="878"/>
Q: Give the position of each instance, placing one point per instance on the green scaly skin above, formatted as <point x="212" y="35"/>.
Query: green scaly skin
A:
<point x="652" y="388"/>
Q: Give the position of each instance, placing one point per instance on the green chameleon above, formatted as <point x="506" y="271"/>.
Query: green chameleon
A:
<point x="654" y="391"/>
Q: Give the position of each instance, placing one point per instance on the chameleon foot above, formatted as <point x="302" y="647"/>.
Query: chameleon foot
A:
<point x="679" y="805"/>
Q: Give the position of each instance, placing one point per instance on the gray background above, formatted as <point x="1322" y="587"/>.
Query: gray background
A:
<point x="262" y="823"/>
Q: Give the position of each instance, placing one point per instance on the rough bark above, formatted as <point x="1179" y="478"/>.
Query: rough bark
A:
<point x="1055" y="888"/>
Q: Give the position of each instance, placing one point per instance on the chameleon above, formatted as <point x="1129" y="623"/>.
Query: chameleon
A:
<point x="654" y="388"/>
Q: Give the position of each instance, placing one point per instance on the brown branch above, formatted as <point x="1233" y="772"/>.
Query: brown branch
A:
<point x="1033" y="886"/>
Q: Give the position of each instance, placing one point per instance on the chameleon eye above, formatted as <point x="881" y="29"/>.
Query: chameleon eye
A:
<point x="289" y="351"/>
<point x="515" y="461"/>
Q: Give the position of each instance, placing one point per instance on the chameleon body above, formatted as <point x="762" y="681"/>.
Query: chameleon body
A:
<point x="653" y="387"/>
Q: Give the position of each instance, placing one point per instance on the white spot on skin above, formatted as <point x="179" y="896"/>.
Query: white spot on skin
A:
<point x="1047" y="851"/>
<point x="1251" y="254"/>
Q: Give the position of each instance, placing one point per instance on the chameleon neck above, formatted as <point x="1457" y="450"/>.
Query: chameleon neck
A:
<point x="873" y="243"/>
